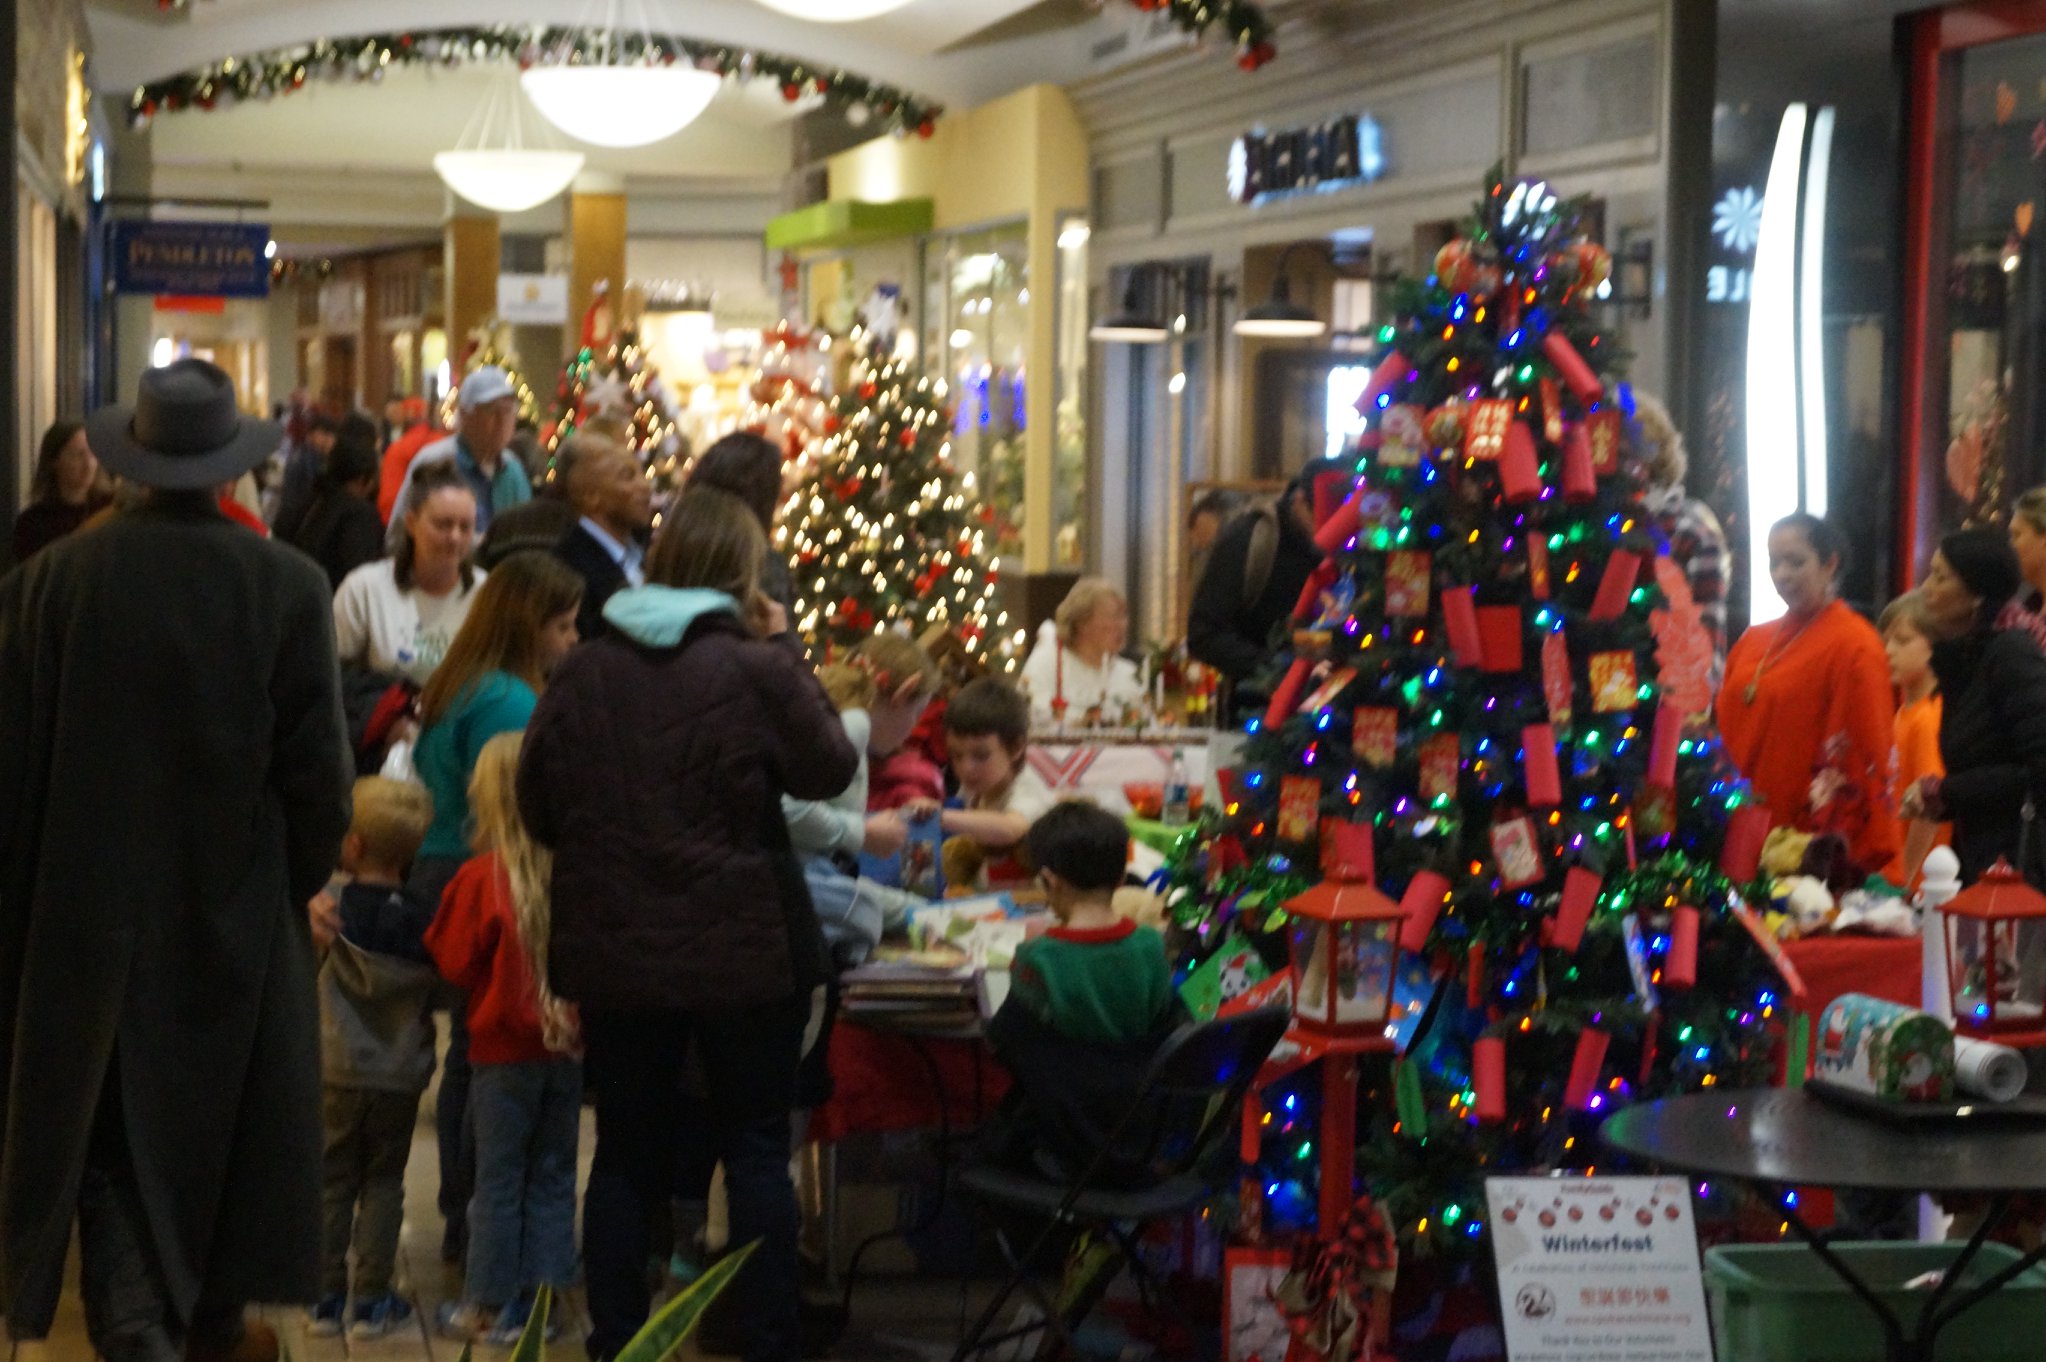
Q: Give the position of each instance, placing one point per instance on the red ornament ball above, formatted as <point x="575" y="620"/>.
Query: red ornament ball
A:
<point x="926" y="128"/>
<point x="791" y="91"/>
<point x="1461" y="269"/>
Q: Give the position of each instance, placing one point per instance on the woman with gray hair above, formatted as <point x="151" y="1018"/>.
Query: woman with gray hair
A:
<point x="1078" y="658"/>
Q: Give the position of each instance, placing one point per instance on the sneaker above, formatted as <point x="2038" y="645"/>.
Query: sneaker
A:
<point x="464" y="1321"/>
<point x="378" y="1315"/>
<point x="324" y="1321"/>
<point x="510" y="1323"/>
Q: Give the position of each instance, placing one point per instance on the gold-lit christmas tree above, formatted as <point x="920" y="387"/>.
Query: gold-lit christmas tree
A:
<point x="888" y="532"/>
<point x="490" y="344"/>
<point x="615" y="379"/>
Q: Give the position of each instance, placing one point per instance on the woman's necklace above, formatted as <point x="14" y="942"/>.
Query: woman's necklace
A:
<point x="1776" y="650"/>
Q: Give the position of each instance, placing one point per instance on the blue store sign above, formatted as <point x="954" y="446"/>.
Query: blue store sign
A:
<point x="209" y="259"/>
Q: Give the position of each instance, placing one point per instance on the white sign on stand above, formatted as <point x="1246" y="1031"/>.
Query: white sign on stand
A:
<point x="1597" y="1269"/>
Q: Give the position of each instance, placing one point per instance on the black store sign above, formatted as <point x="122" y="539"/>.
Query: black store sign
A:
<point x="1342" y="151"/>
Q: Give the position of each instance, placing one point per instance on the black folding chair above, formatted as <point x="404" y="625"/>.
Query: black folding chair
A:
<point x="1183" y="1113"/>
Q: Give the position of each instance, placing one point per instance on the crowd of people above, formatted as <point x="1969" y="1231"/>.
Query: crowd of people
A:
<point x="445" y="746"/>
<point x="592" y="803"/>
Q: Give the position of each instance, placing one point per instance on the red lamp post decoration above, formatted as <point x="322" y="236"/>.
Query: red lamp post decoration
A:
<point x="1982" y="924"/>
<point x="1345" y="947"/>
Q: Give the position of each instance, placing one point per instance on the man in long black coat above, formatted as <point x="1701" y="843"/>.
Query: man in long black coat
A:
<point x="173" y="789"/>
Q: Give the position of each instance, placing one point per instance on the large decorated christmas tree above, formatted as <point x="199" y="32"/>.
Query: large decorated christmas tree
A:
<point x="1493" y="706"/>
<point x="888" y="532"/>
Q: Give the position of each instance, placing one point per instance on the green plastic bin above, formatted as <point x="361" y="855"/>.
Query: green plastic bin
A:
<point x="1780" y="1303"/>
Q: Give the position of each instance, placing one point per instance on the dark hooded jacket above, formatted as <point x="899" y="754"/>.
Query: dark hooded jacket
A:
<point x="654" y="768"/>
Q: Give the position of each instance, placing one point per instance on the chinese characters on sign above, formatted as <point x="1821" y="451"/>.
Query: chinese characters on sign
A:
<point x="1598" y="1267"/>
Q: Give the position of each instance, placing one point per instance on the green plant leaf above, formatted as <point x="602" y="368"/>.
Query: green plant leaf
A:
<point x="467" y="1350"/>
<point x="664" y="1333"/>
<point x="532" y="1344"/>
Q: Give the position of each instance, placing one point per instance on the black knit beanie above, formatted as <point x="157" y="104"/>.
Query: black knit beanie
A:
<point x="1985" y="563"/>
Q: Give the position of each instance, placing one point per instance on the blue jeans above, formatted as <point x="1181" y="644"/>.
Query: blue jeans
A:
<point x="522" y="1220"/>
<point x="749" y="1059"/>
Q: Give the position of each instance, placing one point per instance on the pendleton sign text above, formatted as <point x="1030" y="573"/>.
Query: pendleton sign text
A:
<point x="207" y="259"/>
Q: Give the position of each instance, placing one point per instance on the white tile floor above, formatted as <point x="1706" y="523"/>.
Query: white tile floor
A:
<point x="895" y="1319"/>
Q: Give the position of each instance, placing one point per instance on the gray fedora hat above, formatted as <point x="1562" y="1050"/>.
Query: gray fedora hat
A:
<point x="184" y="431"/>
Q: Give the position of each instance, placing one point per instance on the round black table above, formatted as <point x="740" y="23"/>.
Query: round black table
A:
<point x="1779" y="1137"/>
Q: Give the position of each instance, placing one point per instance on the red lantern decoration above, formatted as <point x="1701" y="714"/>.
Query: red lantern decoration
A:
<point x="1488" y="1078"/>
<point x="1581" y="1093"/>
<point x="1426" y="894"/>
<point x="1992" y="999"/>
<point x="1345" y="951"/>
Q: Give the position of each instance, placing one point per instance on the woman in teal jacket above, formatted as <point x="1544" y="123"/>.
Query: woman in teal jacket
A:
<point x="521" y="624"/>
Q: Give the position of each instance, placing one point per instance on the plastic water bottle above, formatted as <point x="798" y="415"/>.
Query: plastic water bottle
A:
<point x="1178" y="793"/>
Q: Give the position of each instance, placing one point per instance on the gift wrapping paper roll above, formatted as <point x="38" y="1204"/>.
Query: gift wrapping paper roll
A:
<point x="1882" y="1048"/>
<point x="1985" y="1069"/>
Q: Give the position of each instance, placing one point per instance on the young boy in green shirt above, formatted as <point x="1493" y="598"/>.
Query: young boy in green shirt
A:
<point x="1096" y="978"/>
<point x="1089" y="1002"/>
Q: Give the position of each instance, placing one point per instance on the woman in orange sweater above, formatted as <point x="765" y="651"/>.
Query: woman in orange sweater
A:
<point x="489" y="939"/>
<point x="1807" y="711"/>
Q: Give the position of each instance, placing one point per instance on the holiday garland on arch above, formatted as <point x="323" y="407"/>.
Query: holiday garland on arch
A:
<point x="284" y="70"/>
<point x="1489" y="672"/>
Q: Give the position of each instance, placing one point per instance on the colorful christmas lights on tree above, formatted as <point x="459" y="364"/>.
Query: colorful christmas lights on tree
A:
<point x="1490" y="673"/>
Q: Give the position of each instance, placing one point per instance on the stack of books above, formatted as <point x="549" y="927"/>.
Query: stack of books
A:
<point x="934" y="990"/>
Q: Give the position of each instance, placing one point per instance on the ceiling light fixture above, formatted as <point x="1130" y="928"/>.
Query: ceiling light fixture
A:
<point x="1279" y="316"/>
<point x="496" y="165"/>
<point x="834" y="11"/>
<point x="586" y="86"/>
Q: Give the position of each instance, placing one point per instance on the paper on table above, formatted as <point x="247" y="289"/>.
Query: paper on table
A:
<point x="1986" y="1069"/>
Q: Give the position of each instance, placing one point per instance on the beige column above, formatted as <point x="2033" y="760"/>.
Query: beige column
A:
<point x="471" y="267"/>
<point x="596" y="243"/>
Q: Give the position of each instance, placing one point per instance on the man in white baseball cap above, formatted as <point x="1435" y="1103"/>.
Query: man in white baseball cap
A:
<point x="487" y="411"/>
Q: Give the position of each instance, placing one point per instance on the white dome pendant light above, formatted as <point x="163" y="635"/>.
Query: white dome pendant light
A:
<point x="834" y="11"/>
<point x="598" y="87"/>
<point x="499" y="164"/>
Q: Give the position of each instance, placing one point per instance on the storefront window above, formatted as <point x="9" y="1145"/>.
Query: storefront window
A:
<point x="1069" y="445"/>
<point x="1985" y="370"/>
<point x="986" y="316"/>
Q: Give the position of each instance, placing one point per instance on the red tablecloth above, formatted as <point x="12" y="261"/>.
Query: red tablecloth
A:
<point x="1881" y="966"/>
<point x="882" y="1083"/>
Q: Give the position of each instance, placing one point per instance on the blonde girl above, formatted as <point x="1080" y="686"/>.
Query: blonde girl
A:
<point x="490" y="940"/>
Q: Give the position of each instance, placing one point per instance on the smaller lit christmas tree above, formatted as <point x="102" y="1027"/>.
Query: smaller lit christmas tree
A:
<point x="611" y="376"/>
<point x="490" y="344"/>
<point x="888" y="531"/>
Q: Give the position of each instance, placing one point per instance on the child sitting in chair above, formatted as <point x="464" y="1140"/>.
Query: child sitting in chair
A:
<point x="1089" y="1002"/>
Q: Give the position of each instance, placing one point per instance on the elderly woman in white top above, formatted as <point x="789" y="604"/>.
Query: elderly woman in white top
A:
<point x="1078" y="657"/>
